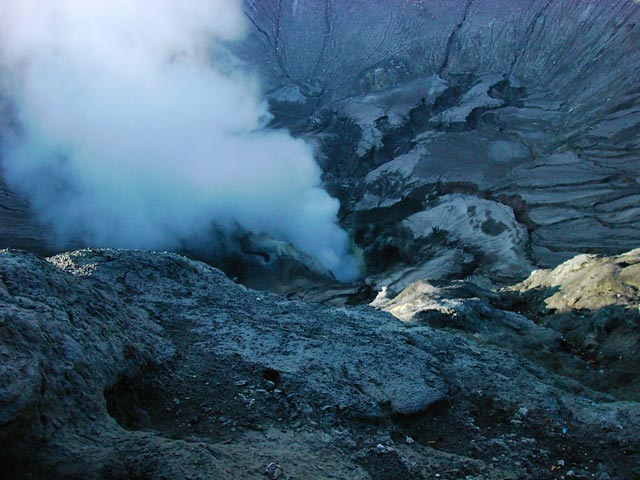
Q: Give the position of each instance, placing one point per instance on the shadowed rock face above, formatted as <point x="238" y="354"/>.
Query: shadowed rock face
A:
<point x="18" y="228"/>
<point x="532" y="105"/>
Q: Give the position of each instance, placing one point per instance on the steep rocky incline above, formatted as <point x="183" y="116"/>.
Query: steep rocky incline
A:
<point x="532" y="105"/>
<point x="121" y="364"/>
<point x="17" y="226"/>
<point x="530" y="109"/>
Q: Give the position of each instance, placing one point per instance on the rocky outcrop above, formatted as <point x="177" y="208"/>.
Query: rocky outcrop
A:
<point x="580" y="319"/>
<point x="595" y="303"/>
<point x="588" y="282"/>
<point x="120" y="364"/>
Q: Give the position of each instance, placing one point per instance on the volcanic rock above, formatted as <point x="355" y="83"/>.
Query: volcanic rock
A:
<point x="123" y="364"/>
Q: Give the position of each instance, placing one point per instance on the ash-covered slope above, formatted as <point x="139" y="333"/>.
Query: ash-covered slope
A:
<point x="461" y="136"/>
<point x="584" y="50"/>
<point x="515" y="123"/>
<point x="122" y="365"/>
<point x="17" y="226"/>
<point x="529" y="110"/>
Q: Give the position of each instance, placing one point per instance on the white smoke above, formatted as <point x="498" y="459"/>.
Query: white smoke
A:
<point x="132" y="135"/>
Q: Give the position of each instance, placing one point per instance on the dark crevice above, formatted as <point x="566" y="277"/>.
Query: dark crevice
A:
<point x="452" y="37"/>
<point x="257" y="27"/>
<point x="529" y="34"/>
<point x="328" y="12"/>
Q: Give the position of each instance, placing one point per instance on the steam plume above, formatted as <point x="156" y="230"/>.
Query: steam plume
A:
<point x="132" y="135"/>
